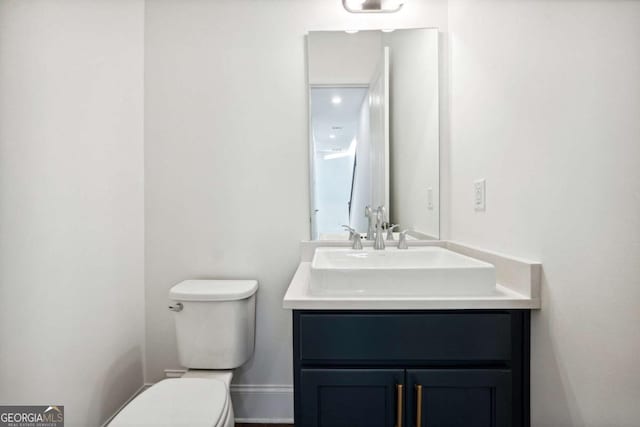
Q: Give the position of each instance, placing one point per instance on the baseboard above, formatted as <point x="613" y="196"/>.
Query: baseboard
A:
<point x="421" y="235"/>
<point x="262" y="403"/>
<point x="174" y="373"/>
<point x="133" y="396"/>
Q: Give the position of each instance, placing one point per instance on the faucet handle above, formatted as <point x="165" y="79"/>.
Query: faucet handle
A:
<point x="352" y="231"/>
<point x="383" y="213"/>
<point x="390" y="231"/>
<point x="378" y="215"/>
<point x="402" y="241"/>
<point x="369" y="213"/>
<point x="357" y="242"/>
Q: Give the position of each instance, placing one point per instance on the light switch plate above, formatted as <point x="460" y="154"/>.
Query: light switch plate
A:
<point x="430" y="198"/>
<point x="479" y="196"/>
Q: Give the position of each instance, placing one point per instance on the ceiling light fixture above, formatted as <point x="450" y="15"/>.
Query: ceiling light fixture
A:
<point x="372" y="6"/>
<point x="336" y="100"/>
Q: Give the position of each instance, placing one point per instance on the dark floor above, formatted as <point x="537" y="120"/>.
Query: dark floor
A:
<point x="264" y="425"/>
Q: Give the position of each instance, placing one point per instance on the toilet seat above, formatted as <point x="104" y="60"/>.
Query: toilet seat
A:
<point x="193" y="402"/>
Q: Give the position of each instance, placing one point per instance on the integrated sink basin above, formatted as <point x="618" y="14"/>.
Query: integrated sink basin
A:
<point x="421" y="271"/>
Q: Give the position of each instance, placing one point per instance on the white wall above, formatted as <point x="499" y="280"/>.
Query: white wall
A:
<point x="545" y="105"/>
<point x="339" y="58"/>
<point x="71" y="205"/>
<point x="226" y="155"/>
<point x="414" y="129"/>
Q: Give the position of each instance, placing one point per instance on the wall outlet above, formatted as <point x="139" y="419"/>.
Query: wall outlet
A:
<point x="479" y="188"/>
<point x="430" y="198"/>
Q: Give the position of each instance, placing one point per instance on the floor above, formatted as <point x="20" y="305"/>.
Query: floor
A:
<point x="264" y="425"/>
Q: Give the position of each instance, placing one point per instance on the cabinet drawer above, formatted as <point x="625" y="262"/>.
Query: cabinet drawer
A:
<point x="404" y="337"/>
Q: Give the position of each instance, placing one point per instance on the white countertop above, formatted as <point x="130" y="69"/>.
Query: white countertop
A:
<point x="518" y="286"/>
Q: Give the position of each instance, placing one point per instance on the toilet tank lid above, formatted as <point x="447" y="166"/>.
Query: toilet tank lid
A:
<point x="213" y="290"/>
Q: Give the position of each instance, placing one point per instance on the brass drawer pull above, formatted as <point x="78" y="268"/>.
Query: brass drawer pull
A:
<point x="399" y="403"/>
<point x="418" y="405"/>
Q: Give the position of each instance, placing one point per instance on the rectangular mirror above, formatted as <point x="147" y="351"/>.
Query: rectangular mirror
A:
<point x="374" y="130"/>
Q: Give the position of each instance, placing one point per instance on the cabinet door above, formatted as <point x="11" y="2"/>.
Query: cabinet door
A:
<point x="350" y="397"/>
<point x="459" y="398"/>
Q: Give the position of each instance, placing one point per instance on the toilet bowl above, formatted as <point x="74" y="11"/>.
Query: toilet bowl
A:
<point x="173" y="402"/>
<point x="215" y="330"/>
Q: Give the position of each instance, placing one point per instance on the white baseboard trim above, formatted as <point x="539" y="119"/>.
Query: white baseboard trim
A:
<point x="174" y="373"/>
<point x="421" y="235"/>
<point x="262" y="403"/>
<point x="133" y="396"/>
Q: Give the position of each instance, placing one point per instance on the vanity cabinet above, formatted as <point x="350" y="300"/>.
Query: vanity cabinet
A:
<point x="436" y="368"/>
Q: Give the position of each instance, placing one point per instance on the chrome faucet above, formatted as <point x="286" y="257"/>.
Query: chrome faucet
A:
<point x="402" y="241"/>
<point x="355" y="237"/>
<point x="351" y="231"/>
<point x="369" y="213"/>
<point x="390" y="231"/>
<point x="379" y="241"/>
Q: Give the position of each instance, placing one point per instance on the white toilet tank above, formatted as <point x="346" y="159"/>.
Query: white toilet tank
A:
<point x="215" y="322"/>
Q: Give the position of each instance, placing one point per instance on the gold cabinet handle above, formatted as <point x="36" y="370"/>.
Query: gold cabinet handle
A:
<point x="399" y="403"/>
<point x="418" y="405"/>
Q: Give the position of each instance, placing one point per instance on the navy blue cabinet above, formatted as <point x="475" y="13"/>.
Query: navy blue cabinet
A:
<point x="351" y="397"/>
<point x="440" y="368"/>
<point x="459" y="397"/>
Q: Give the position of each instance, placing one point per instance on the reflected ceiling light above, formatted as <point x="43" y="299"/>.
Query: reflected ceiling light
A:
<point x="372" y="6"/>
<point x="351" y="31"/>
<point x="332" y="136"/>
<point x="353" y="4"/>
<point x="388" y="30"/>
<point x="336" y="100"/>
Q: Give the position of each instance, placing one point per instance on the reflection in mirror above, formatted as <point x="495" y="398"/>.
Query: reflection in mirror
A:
<point x="374" y="130"/>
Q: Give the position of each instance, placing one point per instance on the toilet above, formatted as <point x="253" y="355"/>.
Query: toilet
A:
<point x="215" y="331"/>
